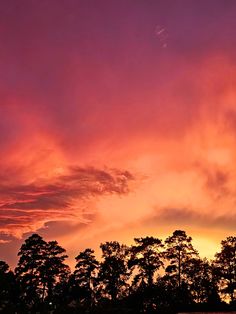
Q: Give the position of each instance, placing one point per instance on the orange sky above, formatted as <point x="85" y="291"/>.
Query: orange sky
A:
<point x="117" y="120"/>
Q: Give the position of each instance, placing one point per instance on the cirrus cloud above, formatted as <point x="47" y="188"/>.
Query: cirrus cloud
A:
<point x="26" y="207"/>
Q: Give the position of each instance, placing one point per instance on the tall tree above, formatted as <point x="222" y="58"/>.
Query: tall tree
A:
<point x="201" y="281"/>
<point x="85" y="277"/>
<point x="179" y="250"/>
<point x="53" y="268"/>
<point x="114" y="272"/>
<point x="40" y="267"/>
<point x="225" y="263"/>
<point x="9" y="291"/>
<point x="32" y="256"/>
<point x="146" y="256"/>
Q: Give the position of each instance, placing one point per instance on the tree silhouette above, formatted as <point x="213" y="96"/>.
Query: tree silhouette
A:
<point x="85" y="277"/>
<point x="127" y="280"/>
<point x="113" y="273"/>
<point x="32" y="256"/>
<point x="146" y="256"/>
<point x="179" y="250"/>
<point x="53" y="269"/>
<point x="225" y="263"/>
<point x="8" y="289"/>
<point x="201" y="280"/>
<point x="40" y="266"/>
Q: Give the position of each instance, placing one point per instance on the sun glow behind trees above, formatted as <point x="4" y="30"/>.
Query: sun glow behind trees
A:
<point x="151" y="275"/>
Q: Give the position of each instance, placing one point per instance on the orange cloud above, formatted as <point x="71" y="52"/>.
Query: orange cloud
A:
<point x="28" y="207"/>
<point x="102" y="91"/>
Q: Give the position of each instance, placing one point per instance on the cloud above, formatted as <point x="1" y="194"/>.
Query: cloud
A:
<point x="217" y="180"/>
<point x="100" y="91"/>
<point x="230" y="120"/>
<point x="4" y="241"/>
<point x="26" y="207"/>
<point x="188" y="217"/>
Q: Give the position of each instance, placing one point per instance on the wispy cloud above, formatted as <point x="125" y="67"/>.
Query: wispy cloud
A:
<point x="190" y="217"/>
<point x="28" y="207"/>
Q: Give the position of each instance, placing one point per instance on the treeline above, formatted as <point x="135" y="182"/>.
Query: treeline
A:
<point x="151" y="276"/>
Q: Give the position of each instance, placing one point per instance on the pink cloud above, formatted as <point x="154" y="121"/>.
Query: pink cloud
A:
<point x="27" y="207"/>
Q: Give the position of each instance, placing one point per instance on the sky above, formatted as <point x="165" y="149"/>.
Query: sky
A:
<point x="117" y="120"/>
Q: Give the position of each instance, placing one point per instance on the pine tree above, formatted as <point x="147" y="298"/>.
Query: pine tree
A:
<point x="85" y="277"/>
<point x="40" y="267"/>
<point x="114" y="272"/>
<point x="225" y="263"/>
<point x="32" y="257"/>
<point x="146" y="256"/>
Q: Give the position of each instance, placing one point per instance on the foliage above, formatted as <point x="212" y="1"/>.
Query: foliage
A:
<point x="84" y="280"/>
<point x="179" y="251"/>
<point x="113" y="274"/>
<point x="126" y="280"/>
<point x="225" y="263"/>
<point x="146" y="256"/>
<point x="40" y="267"/>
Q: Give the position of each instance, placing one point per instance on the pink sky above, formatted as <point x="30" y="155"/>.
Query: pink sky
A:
<point x="111" y="129"/>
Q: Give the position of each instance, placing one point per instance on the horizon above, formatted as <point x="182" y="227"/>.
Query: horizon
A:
<point x="208" y="251"/>
<point x="71" y="260"/>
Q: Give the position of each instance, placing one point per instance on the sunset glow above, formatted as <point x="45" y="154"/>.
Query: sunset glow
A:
<point x="117" y="120"/>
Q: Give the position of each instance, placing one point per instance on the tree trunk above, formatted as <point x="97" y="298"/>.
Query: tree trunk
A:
<point x="44" y="289"/>
<point x="179" y="269"/>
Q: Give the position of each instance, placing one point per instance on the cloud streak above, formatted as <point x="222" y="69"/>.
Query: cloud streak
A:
<point x="24" y="208"/>
<point x="191" y="217"/>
